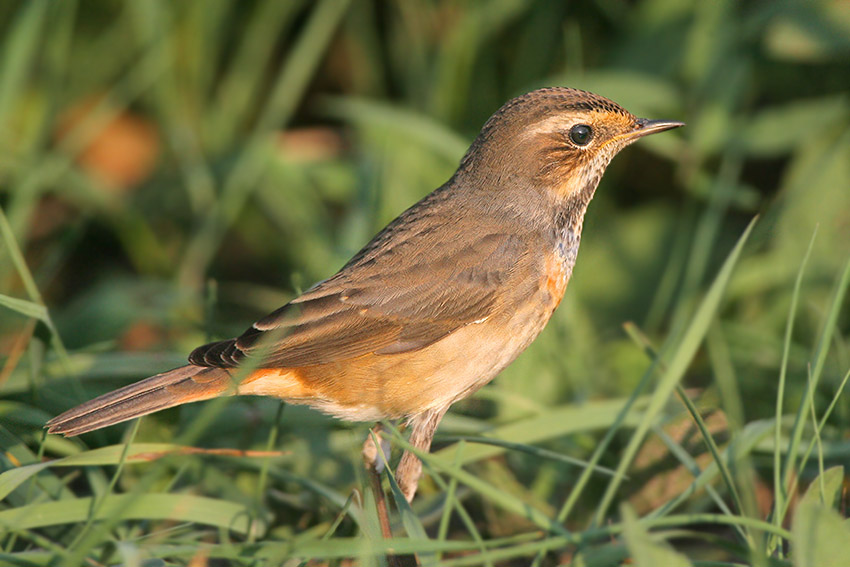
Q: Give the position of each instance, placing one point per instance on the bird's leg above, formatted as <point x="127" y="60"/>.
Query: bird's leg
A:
<point x="422" y="428"/>
<point x="376" y="460"/>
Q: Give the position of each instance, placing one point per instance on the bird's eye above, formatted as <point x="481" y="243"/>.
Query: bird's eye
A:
<point x="580" y="134"/>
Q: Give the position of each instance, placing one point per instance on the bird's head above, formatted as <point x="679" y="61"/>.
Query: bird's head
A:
<point x="556" y="139"/>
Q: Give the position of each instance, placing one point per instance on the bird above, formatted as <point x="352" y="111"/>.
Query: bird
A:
<point x="437" y="303"/>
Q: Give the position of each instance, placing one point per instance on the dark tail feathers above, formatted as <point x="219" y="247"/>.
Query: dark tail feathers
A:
<point x="179" y="386"/>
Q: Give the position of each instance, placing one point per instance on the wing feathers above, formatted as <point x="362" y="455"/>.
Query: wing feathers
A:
<point x="382" y="304"/>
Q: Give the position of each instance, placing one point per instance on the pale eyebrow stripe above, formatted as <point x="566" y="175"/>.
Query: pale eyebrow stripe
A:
<point x="547" y="124"/>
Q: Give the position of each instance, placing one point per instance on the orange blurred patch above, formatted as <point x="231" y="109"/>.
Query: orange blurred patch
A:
<point x="14" y="346"/>
<point x="142" y="336"/>
<point x="306" y="145"/>
<point x="200" y="559"/>
<point x="662" y="475"/>
<point x="121" y="154"/>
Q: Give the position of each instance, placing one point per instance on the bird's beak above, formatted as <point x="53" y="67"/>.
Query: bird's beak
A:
<point x="646" y="127"/>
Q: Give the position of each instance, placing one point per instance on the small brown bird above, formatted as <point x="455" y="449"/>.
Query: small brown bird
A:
<point x="438" y="303"/>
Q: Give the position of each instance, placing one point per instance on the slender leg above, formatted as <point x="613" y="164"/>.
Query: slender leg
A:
<point x="376" y="460"/>
<point x="422" y="428"/>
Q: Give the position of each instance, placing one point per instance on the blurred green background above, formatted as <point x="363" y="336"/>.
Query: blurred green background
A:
<point x="170" y="171"/>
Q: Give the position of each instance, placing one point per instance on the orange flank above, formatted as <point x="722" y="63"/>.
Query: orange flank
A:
<point x="557" y="277"/>
<point x="284" y="383"/>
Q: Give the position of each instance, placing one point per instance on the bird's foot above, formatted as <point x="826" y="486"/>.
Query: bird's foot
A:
<point x="376" y="459"/>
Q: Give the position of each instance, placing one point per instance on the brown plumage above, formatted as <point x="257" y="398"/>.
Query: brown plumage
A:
<point x="439" y="302"/>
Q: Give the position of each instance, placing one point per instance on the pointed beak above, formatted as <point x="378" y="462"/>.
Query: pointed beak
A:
<point x="646" y="127"/>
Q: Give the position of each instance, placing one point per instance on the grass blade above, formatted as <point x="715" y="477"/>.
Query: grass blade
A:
<point x="24" y="307"/>
<point x="817" y="368"/>
<point x="173" y="507"/>
<point x="19" y="53"/>
<point x="679" y="361"/>
<point x="552" y="424"/>
<point x="112" y="455"/>
<point x="288" y="89"/>
<point x="778" y="484"/>
<point x="499" y="498"/>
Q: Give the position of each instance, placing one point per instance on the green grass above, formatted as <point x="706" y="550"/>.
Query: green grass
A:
<point x="283" y="135"/>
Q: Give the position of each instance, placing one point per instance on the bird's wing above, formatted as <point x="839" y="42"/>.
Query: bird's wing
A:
<point x="399" y="294"/>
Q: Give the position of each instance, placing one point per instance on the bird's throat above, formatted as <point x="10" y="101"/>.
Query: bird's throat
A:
<point x="568" y="222"/>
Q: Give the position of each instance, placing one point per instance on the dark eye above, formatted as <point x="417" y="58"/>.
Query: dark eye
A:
<point x="580" y="134"/>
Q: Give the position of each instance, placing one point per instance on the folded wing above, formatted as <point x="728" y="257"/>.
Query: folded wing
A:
<point x="386" y="300"/>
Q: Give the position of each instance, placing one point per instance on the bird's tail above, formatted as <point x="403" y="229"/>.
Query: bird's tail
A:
<point x="179" y="386"/>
